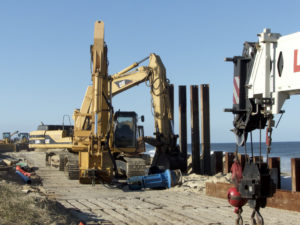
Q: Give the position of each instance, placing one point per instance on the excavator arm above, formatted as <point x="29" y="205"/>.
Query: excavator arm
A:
<point x="167" y="154"/>
<point x="124" y="82"/>
<point x="118" y="83"/>
<point x="126" y="79"/>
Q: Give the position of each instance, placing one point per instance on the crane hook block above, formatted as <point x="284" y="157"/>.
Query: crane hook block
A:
<point x="234" y="198"/>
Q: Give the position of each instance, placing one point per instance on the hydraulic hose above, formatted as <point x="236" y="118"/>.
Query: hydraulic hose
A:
<point x="18" y="168"/>
<point x="26" y="179"/>
<point x="111" y="157"/>
<point x="108" y="136"/>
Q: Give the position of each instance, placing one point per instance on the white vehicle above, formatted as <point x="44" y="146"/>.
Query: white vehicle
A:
<point x="267" y="74"/>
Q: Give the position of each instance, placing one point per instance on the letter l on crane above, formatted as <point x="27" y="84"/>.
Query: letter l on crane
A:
<point x="296" y="66"/>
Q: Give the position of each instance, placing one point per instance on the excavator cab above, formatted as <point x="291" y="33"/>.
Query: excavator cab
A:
<point x="128" y="144"/>
<point x="125" y="133"/>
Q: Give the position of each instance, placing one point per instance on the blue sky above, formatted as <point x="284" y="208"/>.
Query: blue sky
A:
<point x="45" y="59"/>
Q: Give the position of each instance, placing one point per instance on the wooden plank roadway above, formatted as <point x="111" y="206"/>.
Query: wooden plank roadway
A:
<point x="121" y="206"/>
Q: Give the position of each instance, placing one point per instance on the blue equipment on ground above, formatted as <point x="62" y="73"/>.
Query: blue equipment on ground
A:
<point x="166" y="179"/>
<point x="26" y="179"/>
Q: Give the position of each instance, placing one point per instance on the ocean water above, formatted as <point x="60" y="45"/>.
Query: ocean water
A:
<point x="284" y="150"/>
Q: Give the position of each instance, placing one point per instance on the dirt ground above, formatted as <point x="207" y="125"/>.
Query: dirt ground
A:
<point x="99" y="204"/>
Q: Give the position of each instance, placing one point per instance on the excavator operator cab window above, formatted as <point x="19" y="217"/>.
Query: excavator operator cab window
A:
<point x="125" y="129"/>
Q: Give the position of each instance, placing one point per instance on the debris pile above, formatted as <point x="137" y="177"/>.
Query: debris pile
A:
<point x="197" y="183"/>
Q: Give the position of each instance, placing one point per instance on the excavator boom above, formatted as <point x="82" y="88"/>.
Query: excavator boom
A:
<point x="94" y="154"/>
<point x="167" y="155"/>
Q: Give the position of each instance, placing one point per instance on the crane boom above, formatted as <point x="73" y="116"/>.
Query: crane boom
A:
<point x="280" y="53"/>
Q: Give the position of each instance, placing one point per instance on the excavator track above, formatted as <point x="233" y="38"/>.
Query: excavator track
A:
<point x="48" y="158"/>
<point x="62" y="161"/>
<point x="68" y="162"/>
<point x="133" y="166"/>
<point x="71" y="167"/>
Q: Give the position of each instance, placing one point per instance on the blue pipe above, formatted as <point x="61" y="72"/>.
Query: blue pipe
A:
<point x="26" y="179"/>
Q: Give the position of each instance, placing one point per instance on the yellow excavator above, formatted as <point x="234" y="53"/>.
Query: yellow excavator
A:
<point x="110" y="142"/>
<point x="49" y="136"/>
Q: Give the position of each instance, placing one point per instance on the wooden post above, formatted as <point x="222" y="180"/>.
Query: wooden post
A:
<point x="229" y="157"/>
<point x="205" y="129"/>
<point x="216" y="162"/>
<point x="171" y="96"/>
<point x="182" y="125"/>
<point x="195" y="129"/>
<point x="274" y="163"/>
<point x="295" y="164"/>
<point x="219" y="161"/>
